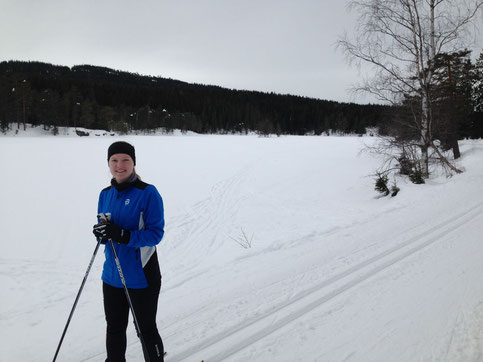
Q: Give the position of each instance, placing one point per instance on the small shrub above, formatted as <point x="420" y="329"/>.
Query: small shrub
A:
<point x="381" y="184"/>
<point x="416" y="177"/>
<point x="243" y="240"/>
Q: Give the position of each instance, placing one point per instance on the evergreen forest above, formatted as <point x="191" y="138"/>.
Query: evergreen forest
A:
<point x="101" y="98"/>
<point x="96" y="97"/>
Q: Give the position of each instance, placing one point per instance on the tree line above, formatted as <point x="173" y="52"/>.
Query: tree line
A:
<point x="101" y="98"/>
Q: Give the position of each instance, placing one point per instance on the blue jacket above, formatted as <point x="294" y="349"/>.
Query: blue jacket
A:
<point x="137" y="207"/>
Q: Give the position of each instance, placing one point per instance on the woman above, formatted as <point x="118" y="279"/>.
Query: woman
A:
<point x="136" y="226"/>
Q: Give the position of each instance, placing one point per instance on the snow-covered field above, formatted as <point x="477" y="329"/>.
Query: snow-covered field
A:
<point x="334" y="273"/>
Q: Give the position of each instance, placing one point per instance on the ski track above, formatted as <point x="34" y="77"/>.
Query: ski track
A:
<point x="225" y="344"/>
<point x="207" y="222"/>
<point x="210" y="213"/>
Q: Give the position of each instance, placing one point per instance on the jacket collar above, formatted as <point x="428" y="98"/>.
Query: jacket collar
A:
<point x="123" y="186"/>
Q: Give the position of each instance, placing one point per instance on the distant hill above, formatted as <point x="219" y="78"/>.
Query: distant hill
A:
<point x="102" y="98"/>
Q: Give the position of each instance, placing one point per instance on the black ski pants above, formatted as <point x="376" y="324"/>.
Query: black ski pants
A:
<point x="116" y="308"/>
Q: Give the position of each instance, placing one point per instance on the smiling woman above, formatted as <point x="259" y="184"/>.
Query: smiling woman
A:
<point x="131" y="275"/>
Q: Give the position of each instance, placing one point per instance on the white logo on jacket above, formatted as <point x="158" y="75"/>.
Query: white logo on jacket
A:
<point x="127" y="202"/>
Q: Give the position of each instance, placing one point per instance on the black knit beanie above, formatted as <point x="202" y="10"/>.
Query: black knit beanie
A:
<point x="121" y="147"/>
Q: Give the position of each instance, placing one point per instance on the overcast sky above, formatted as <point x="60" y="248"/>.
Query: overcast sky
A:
<point x="284" y="46"/>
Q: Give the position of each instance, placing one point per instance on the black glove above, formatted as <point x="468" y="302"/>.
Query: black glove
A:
<point x="97" y="233"/>
<point x="109" y="230"/>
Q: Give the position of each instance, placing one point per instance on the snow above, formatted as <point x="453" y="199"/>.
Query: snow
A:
<point x="334" y="273"/>
<point x="18" y="130"/>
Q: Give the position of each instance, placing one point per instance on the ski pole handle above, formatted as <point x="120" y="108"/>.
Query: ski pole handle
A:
<point x="104" y="217"/>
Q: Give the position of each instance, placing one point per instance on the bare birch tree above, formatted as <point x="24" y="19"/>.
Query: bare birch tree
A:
<point x="401" y="39"/>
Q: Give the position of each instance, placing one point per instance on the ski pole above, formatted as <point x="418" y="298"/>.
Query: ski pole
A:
<point x="77" y="298"/>
<point x="136" y="324"/>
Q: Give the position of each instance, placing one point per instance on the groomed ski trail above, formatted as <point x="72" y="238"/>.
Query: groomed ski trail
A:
<point x="227" y="343"/>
